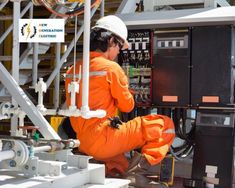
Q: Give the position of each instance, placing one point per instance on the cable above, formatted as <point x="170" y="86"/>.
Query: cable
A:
<point x="183" y="151"/>
<point x="78" y="10"/>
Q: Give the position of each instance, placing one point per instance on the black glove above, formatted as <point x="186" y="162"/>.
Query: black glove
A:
<point x="115" y="122"/>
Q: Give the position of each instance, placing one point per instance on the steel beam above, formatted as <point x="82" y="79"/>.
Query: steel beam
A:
<point x="26" y="105"/>
<point x="127" y="6"/>
<point x="9" y="29"/>
<point x="3" y="4"/>
<point x="222" y="3"/>
<point x="15" y="59"/>
<point x="149" y="5"/>
<point x="180" y="18"/>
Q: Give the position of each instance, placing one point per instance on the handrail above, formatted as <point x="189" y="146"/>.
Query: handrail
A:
<point x="57" y="69"/>
<point x="3" y="4"/>
<point x="10" y="28"/>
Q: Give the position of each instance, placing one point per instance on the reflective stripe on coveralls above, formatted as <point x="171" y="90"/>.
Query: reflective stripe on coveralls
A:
<point x="96" y="73"/>
<point x="110" y="92"/>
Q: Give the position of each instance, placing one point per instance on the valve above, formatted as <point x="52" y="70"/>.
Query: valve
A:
<point x="40" y="88"/>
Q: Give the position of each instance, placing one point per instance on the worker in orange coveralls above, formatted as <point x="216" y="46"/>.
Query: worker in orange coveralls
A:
<point x="108" y="90"/>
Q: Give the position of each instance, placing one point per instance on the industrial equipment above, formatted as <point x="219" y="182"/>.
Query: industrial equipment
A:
<point x="136" y="63"/>
<point x="35" y="155"/>
<point x="214" y="153"/>
<point x="180" y="63"/>
<point x="192" y="78"/>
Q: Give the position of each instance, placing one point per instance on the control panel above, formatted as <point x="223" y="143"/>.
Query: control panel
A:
<point x="136" y="61"/>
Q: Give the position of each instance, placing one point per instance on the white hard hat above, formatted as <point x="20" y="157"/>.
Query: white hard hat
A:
<point x="115" y="25"/>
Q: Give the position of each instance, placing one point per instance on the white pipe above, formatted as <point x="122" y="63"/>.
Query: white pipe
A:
<point x="86" y="57"/>
<point x="57" y="78"/>
<point x="40" y="88"/>
<point x="90" y="114"/>
<point x="41" y="149"/>
<point x="85" y="110"/>
<point x="75" y="113"/>
<point x="3" y="117"/>
<point x="15" y="58"/>
<point x="73" y="88"/>
<point x="49" y="112"/>
<point x="9" y="154"/>
<point x="73" y="106"/>
<point x="102" y="9"/>
<point x="35" y="63"/>
<point x="21" y="117"/>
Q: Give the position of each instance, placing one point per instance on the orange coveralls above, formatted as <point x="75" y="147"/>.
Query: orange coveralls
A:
<point x="108" y="90"/>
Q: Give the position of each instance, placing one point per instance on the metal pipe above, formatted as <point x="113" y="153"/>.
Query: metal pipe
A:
<point x="9" y="154"/>
<point x="31" y="12"/>
<point x="16" y="45"/>
<point x="75" y="48"/>
<point x="57" y="78"/>
<point x="85" y="110"/>
<point x="35" y="63"/>
<point x="41" y="149"/>
<point x="86" y="57"/>
<point x="102" y="9"/>
<point x="15" y="60"/>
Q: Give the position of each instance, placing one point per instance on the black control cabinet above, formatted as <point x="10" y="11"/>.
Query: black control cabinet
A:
<point x="212" y="65"/>
<point x="194" y="67"/>
<point x="171" y="73"/>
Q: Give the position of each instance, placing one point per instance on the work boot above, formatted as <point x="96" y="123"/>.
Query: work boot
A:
<point x="140" y="181"/>
<point x="138" y="164"/>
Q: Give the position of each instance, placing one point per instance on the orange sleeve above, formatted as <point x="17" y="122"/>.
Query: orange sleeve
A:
<point x="119" y="88"/>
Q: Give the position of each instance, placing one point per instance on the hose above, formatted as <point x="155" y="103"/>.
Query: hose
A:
<point x="78" y="10"/>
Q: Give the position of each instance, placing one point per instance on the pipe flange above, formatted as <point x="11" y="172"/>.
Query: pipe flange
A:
<point x="21" y="152"/>
<point x="5" y="109"/>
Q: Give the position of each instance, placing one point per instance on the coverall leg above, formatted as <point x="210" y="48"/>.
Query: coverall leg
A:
<point x="152" y="133"/>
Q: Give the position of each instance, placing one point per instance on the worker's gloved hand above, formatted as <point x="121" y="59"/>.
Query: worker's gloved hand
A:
<point x="115" y="122"/>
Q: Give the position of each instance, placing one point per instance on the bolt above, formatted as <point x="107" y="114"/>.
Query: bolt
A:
<point x="8" y="145"/>
<point x="18" y="153"/>
<point x="33" y="168"/>
<point x="64" y="167"/>
<point x="26" y="167"/>
<point x="12" y="163"/>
